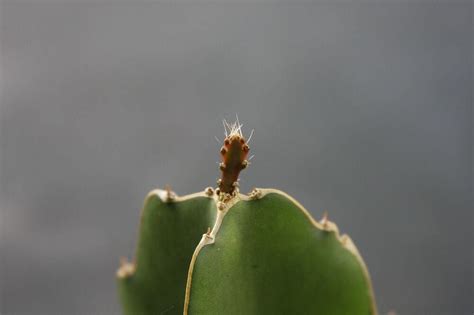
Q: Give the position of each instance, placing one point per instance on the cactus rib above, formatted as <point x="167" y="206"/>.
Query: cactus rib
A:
<point x="168" y="233"/>
<point x="210" y="264"/>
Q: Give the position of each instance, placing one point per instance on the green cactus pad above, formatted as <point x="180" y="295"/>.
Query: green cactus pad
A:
<point x="265" y="254"/>
<point x="270" y="257"/>
<point x="169" y="232"/>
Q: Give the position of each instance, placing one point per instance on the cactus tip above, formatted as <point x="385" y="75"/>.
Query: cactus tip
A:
<point x="233" y="156"/>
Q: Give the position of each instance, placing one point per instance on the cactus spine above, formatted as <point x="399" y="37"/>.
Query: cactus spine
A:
<point x="264" y="254"/>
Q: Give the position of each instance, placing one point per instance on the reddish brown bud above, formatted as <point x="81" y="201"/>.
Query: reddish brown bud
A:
<point x="234" y="154"/>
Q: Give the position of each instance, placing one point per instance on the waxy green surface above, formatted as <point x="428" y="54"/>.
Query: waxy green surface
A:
<point x="168" y="235"/>
<point x="268" y="257"/>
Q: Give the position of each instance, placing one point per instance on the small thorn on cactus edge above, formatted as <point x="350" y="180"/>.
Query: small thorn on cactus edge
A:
<point x="218" y="181"/>
<point x="209" y="191"/>
<point x="255" y="194"/>
<point x="324" y="220"/>
<point x="170" y="195"/>
<point x="223" y="150"/>
<point x="245" y="163"/>
<point x="222" y="166"/>
<point x="126" y="268"/>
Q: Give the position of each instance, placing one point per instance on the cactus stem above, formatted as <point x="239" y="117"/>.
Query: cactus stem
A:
<point x="233" y="156"/>
<point x="224" y="207"/>
<point x="208" y="238"/>
<point x="324" y="224"/>
<point x="344" y="239"/>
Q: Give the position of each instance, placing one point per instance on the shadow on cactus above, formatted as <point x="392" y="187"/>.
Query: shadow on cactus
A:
<point x="260" y="253"/>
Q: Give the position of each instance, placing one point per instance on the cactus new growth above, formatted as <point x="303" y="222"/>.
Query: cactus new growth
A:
<point x="264" y="254"/>
<point x="234" y="153"/>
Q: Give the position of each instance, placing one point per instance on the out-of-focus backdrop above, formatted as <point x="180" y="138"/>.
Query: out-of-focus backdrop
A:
<point x="362" y="109"/>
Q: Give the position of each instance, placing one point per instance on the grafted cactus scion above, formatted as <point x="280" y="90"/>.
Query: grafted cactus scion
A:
<point x="264" y="254"/>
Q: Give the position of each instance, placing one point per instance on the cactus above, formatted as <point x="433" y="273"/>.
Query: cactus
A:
<point x="264" y="254"/>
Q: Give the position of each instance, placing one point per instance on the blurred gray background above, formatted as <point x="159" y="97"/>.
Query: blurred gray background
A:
<point x="360" y="108"/>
